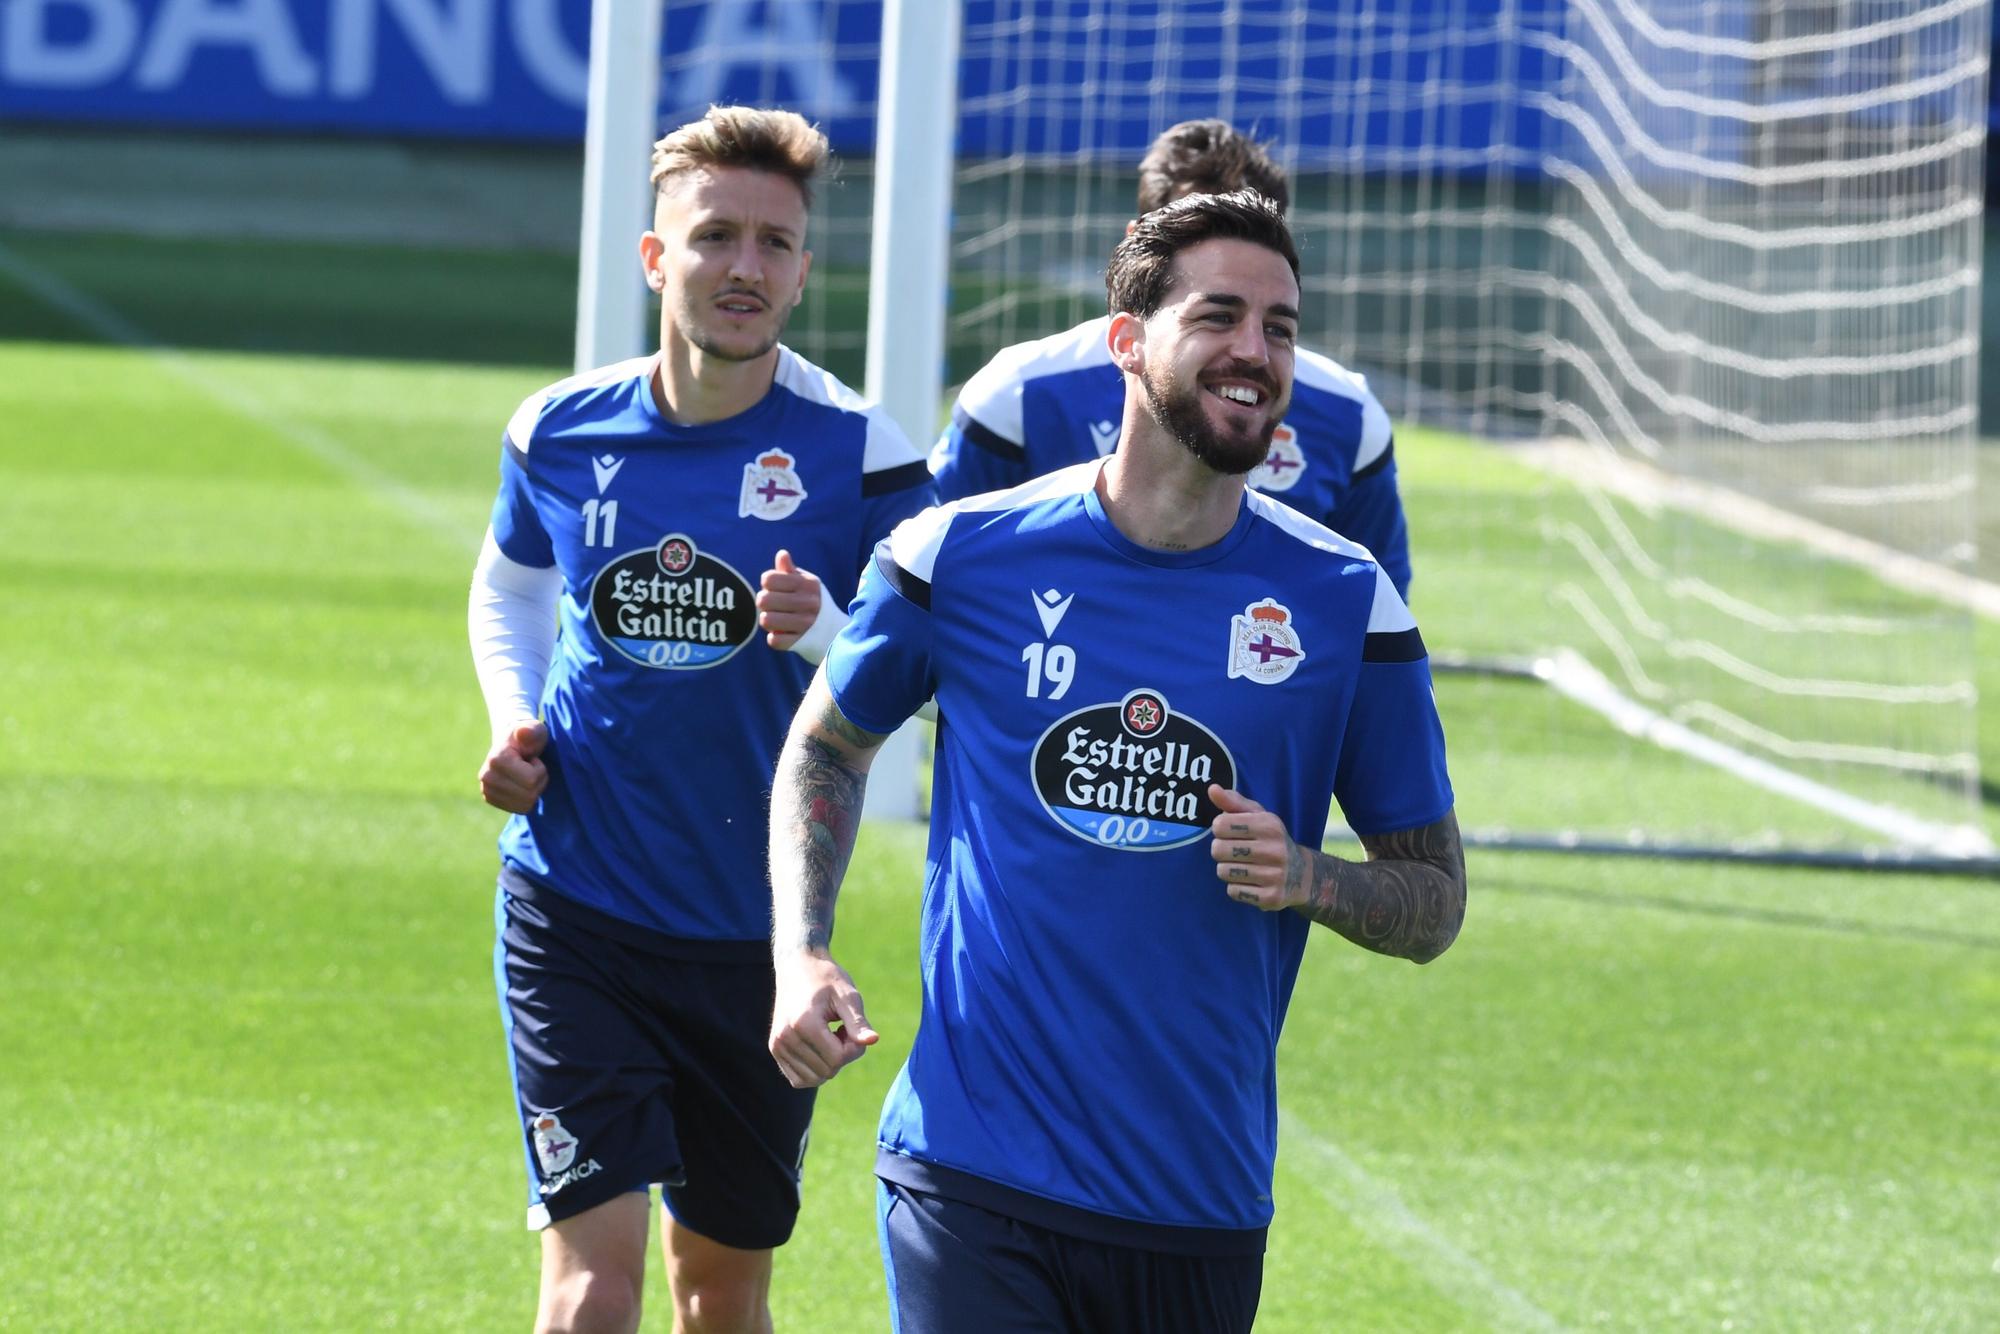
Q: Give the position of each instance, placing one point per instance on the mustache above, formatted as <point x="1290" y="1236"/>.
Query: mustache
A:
<point x="1245" y="370"/>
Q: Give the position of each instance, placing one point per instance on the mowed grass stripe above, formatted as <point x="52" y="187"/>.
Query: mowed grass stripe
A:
<point x="112" y="327"/>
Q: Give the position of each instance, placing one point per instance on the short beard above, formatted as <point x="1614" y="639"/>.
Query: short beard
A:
<point x="691" y="330"/>
<point x="1178" y="408"/>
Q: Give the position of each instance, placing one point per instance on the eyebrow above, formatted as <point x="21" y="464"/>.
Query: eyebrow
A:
<point x="723" y="220"/>
<point x="1232" y="302"/>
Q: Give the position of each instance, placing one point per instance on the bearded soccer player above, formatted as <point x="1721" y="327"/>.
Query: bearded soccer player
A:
<point x="639" y="682"/>
<point x="1151" y="683"/>
<point x="1043" y="405"/>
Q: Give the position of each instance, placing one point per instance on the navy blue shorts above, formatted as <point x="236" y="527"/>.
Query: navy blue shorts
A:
<point x="954" y="1266"/>
<point x="638" y="1059"/>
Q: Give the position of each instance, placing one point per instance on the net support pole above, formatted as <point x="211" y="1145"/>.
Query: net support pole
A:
<point x="619" y="129"/>
<point x="908" y="271"/>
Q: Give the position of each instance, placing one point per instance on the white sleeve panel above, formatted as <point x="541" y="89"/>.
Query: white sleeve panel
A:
<point x="521" y="426"/>
<point x="992" y="397"/>
<point x="887" y="447"/>
<point x="1389" y="614"/>
<point x="511" y="619"/>
<point x="1329" y="376"/>
<point x="914" y="545"/>
<point x="1374" y="433"/>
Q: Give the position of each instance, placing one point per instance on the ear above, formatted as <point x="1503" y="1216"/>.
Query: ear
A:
<point x="651" y="247"/>
<point x="1127" y="341"/>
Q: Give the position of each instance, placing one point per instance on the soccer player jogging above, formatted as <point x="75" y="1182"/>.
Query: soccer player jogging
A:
<point x="1043" y="405"/>
<point x="636" y="677"/>
<point x="1151" y="684"/>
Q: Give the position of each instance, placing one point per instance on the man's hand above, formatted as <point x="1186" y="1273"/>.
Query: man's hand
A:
<point x="813" y="994"/>
<point x="787" y="603"/>
<point x="513" y="776"/>
<point x="1254" y="855"/>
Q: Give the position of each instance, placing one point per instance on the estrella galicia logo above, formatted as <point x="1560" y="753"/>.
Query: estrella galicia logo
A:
<point x="673" y="605"/>
<point x="1132" y="775"/>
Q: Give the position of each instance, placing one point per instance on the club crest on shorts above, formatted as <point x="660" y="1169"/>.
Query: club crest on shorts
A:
<point x="771" y="487"/>
<point x="1263" y="645"/>
<point x="1283" y="466"/>
<point x="555" y="1148"/>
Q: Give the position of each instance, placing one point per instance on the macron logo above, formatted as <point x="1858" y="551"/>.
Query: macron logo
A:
<point x="1050" y="606"/>
<point x="1105" y="436"/>
<point x="606" y="468"/>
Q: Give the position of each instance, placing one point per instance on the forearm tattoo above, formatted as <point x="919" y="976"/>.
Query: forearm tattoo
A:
<point x="815" y="813"/>
<point x="1407" y="899"/>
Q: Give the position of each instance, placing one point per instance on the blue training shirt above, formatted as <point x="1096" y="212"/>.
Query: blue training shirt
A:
<point x="665" y="707"/>
<point x="1043" y="405"/>
<point x="1100" y="1019"/>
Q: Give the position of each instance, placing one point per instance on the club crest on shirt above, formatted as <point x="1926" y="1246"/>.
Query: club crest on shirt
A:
<point x="771" y="487"/>
<point x="1263" y="645"/>
<point x="555" y="1148"/>
<point x="673" y="605"/>
<point x="1283" y="466"/>
<point x="1131" y="775"/>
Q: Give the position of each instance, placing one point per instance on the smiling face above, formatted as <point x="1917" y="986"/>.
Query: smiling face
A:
<point x="1218" y="354"/>
<point x="727" y="256"/>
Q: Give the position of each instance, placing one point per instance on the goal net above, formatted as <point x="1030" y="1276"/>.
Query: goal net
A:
<point x="1675" y="308"/>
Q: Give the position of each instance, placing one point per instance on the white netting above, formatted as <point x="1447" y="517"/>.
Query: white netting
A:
<point x="1722" y="260"/>
<point x="1709" y="271"/>
<point x="1762" y="277"/>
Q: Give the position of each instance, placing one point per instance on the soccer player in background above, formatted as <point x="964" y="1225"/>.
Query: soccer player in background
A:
<point x="1043" y="405"/>
<point x="1151" y="683"/>
<point x="637" y="712"/>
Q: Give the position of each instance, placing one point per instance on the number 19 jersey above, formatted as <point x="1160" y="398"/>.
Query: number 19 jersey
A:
<point x="1100" y="1020"/>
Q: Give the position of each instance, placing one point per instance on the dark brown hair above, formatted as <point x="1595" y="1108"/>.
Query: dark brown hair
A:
<point x="1208" y="157"/>
<point x="1142" y="267"/>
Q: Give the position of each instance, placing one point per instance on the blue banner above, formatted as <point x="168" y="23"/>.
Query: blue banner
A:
<point x="1457" y="81"/>
<point x="512" y="69"/>
<point x="517" y="69"/>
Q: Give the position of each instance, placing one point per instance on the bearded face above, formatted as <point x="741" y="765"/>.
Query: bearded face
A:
<point x="1233" y="444"/>
<point x="1219" y="353"/>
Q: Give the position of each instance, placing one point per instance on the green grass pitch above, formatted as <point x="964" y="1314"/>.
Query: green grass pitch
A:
<point x="251" y="1051"/>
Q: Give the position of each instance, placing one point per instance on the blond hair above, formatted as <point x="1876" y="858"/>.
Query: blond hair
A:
<point x="781" y="142"/>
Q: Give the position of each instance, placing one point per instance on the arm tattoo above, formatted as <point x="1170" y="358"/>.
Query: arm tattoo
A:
<point x="1407" y="899"/>
<point x="815" y="810"/>
<point x="853" y="738"/>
